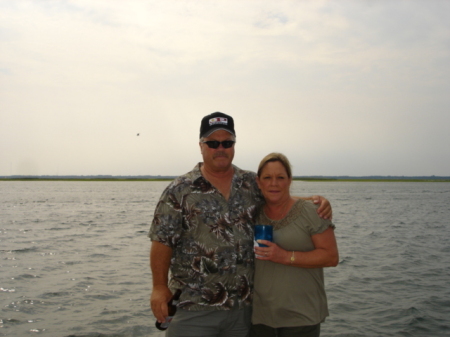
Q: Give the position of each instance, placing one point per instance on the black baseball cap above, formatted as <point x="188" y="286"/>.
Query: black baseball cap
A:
<point x="216" y="121"/>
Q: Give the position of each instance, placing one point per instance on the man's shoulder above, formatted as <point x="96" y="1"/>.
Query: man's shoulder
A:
<point x="247" y="180"/>
<point x="246" y="174"/>
<point x="185" y="179"/>
<point x="191" y="175"/>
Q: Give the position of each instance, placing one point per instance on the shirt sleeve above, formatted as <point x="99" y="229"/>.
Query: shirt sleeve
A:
<point x="166" y="226"/>
<point x="315" y="223"/>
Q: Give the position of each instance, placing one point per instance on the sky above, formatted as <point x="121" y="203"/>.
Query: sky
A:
<point x="352" y="88"/>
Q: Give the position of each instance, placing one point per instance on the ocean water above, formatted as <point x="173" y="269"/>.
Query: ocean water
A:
<point x="74" y="258"/>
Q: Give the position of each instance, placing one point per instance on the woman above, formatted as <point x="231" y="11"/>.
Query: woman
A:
<point x="289" y="297"/>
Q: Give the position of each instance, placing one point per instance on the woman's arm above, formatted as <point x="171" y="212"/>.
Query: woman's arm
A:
<point x="325" y="253"/>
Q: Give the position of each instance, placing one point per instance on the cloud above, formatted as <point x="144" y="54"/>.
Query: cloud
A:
<point x="359" y="80"/>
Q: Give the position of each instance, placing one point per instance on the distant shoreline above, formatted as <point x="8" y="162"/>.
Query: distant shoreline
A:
<point x="375" y="180"/>
<point x="86" y="179"/>
<point x="170" y="178"/>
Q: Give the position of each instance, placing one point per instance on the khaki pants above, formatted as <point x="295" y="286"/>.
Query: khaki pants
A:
<point x="215" y="323"/>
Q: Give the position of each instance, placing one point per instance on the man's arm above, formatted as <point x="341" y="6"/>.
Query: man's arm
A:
<point x="160" y="256"/>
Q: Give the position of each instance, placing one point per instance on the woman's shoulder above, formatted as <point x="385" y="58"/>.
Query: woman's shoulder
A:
<point x="302" y="205"/>
<point x="310" y="206"/>
<point x="306" y="212"/>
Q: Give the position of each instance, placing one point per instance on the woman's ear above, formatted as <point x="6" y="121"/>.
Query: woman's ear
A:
<point x="257" y="182"/>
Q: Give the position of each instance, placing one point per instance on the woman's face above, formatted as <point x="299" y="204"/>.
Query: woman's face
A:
<point x="274" y="182"/>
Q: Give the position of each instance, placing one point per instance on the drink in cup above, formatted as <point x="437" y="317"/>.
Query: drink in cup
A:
<point x="263" y="232"/>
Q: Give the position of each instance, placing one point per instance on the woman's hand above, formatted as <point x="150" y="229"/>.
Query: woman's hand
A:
<point x="272" y="253"/>
<point x="325" y="253"/>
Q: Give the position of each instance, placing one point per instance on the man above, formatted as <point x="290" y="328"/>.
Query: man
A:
<point x="203" y="232"/>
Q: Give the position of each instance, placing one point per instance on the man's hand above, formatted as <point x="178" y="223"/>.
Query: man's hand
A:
<point x="324" y="209"/>
<point x="160" y="256"/>
<point x="161" y="295"/>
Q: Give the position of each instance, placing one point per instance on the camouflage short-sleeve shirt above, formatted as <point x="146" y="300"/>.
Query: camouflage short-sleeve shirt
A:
<point x="211" y="238"/>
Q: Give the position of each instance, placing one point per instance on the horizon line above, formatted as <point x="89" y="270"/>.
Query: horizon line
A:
<point x="175" y="176"/>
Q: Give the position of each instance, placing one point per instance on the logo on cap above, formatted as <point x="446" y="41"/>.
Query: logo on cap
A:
<point x="218" y="120"/>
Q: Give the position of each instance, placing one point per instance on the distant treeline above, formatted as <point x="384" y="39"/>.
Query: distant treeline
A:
<point x="93" y="177"/>
<point x="372" y="178"/>
<point x="159" y="177"/>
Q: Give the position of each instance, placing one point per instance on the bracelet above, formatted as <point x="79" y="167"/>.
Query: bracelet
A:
<point x="292" y="257"/>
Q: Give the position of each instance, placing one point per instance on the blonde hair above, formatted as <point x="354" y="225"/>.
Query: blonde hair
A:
<point x="275" y="156"/>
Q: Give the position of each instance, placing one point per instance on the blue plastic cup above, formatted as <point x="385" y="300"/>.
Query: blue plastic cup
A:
<point x="263" y="232"/>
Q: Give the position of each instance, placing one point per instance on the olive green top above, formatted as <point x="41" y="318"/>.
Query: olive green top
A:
<point x="288" y="296"/>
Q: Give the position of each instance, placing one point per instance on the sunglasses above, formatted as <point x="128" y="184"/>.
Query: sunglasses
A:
<point x="214" y="144"/>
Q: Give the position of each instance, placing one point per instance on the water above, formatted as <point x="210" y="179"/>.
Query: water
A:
<point x="74" y="258"/>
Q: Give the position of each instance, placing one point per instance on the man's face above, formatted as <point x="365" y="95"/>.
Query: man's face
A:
<point x="217" y="159"/>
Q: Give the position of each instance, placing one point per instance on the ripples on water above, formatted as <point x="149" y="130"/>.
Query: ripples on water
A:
<point x="74" y="258"/>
